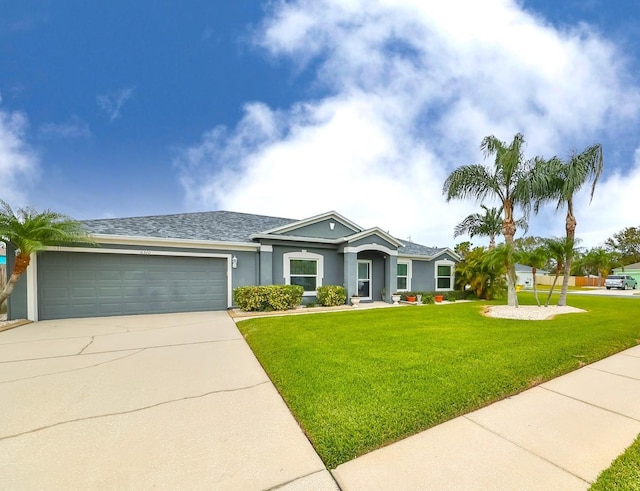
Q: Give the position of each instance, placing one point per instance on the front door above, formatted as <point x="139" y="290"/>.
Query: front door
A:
<point x="364" y="280"/>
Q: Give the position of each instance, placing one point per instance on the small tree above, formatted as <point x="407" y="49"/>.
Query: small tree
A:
<point x="535" y="258"/>
<point x="29" y="231"/>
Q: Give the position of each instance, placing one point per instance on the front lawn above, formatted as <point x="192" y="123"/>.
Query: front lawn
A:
<point x="358" y="380"/>
<point x="624" y="473"/>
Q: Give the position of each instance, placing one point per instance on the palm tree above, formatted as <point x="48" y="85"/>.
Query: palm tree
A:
<point x="488" y="224"/>
<point x="510" y="181"/>
<point x="29" y="231"/>
<point x="599" y="260"/>
<point x="559" y="250"/>
<point x="535" y="258"/>
<point x="566" y="179"/>
<point x="484" y="278"/>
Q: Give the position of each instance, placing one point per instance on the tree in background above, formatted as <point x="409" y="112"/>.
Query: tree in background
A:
<point x="487" y="224"/>
<point x="626" y="244"/>
<point x="599" y="261"/>
<point x="536" y="258"/>
<point x="510" y="181"/>
<point x="29" y="231"/>
<point x="463" y="248"/>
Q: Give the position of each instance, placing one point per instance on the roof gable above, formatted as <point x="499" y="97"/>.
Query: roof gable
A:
<point x="318" y="226"/>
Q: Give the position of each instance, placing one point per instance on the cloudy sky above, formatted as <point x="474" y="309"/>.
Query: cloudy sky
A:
<point x="112" y="109"/>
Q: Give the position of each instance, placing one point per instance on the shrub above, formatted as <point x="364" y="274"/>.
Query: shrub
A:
<point x="270" y="297"/>
<point x="331" y="295"/>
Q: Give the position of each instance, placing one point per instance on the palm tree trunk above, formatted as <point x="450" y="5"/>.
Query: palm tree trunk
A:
<point x="509" y="230"/>
<point x="570" y="225"/>
<point x="555" y="280"/>
<point x="535" y="289"/>
<point x="22" y="261"/>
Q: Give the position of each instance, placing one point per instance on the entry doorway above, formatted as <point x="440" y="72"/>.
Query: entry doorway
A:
<point x="364" y="279"/>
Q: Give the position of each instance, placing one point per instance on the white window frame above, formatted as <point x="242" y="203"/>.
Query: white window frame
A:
<point x="444" y="262"/>
<point x="303" y="256"/>
<point x="409" y="264"/>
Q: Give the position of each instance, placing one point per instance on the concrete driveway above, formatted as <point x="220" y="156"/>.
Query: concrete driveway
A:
<point x="174" y="401"/>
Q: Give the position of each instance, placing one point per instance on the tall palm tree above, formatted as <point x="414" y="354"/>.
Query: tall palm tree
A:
<point x="510" y="181"/>
<point x="29" y="231"/>
<point x="566" y="179"/>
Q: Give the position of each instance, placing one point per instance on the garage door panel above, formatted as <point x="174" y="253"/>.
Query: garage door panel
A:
<point x="88" y="284"/>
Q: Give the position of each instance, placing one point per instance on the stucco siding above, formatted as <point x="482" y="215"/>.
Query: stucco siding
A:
<point x="322" y="230"/>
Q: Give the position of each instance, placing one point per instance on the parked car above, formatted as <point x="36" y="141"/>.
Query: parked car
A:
<point x="622" y="281"/>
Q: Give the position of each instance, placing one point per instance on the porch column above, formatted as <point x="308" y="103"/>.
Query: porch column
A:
<point x="266" y="265"/>
<point x="391" y="277"/>
<point x="351" y="273"/>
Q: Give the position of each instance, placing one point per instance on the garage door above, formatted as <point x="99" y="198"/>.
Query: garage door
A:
<point x="86" y="284"/>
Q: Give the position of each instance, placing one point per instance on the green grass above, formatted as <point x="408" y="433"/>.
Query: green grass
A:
<point x="624" y="473"/>
<point x="359" y="380"/>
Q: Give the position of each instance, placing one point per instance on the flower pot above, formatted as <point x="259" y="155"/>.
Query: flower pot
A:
<point x="411" y="298"/>
<point x="355" y="301"/>
<point x="396" y="299"/>
<point x="438" y="298"/>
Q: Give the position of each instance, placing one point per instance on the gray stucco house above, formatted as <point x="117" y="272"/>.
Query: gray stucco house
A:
<point x="192" y="262"/>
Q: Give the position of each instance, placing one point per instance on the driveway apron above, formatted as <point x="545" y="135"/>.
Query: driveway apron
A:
<point x="172" y="401"/>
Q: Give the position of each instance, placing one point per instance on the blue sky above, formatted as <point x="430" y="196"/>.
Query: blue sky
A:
<point x="111" y="109"/>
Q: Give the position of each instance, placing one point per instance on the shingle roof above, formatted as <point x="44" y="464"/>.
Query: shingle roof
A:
<point x="224" y="226"/>
<point x="413" y="249"/>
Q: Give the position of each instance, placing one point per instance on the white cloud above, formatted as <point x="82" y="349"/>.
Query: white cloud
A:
<point x="18" y="162"/>
<point x="111" y="103"/>
<point x="411" y="88"/>
<point x="74" y="128"/>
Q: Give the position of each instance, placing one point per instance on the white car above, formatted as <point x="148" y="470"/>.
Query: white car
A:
<point x="621" y="281"/>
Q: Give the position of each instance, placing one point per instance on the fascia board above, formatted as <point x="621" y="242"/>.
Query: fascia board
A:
<point x="293" y="238"/>
<point x="162" y="242"/>
<point x="375" y="231"/>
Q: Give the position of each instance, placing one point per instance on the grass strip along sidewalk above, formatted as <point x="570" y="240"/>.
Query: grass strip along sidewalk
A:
<point x="359" y="380"/>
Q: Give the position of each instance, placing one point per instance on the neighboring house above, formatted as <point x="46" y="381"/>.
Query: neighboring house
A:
<point x="192" y="262"/>
<point x="630" y="269"/>
<point x="524" y="275"/>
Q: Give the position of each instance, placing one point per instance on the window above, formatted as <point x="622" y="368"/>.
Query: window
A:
<point x="403" y="276"/>
<point x="444" y="275"/>
<point x="304" y="269"/>
<point x="304" y="272"/>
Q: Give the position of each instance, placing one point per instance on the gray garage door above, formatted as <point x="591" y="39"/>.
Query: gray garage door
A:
<point x="86" y="284"/>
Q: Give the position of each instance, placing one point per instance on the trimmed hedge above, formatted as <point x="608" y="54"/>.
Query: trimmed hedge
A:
<point x="268" y="297"/>
<point x="331" y="295"/>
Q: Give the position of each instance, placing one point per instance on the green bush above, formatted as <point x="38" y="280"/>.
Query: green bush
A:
<point x="331" y="295"/>
<point x="269" y="297"/>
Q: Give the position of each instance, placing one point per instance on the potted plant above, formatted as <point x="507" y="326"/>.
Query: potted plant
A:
<point x="411" y="297"/>
<point x="355" y="300"/>
<point x="396" y="298"/>
<point x="438" y="298"/>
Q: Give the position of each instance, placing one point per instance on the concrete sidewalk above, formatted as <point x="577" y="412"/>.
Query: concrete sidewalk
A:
<point x="173" y="401"/>
<point x="557" y="436"/>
